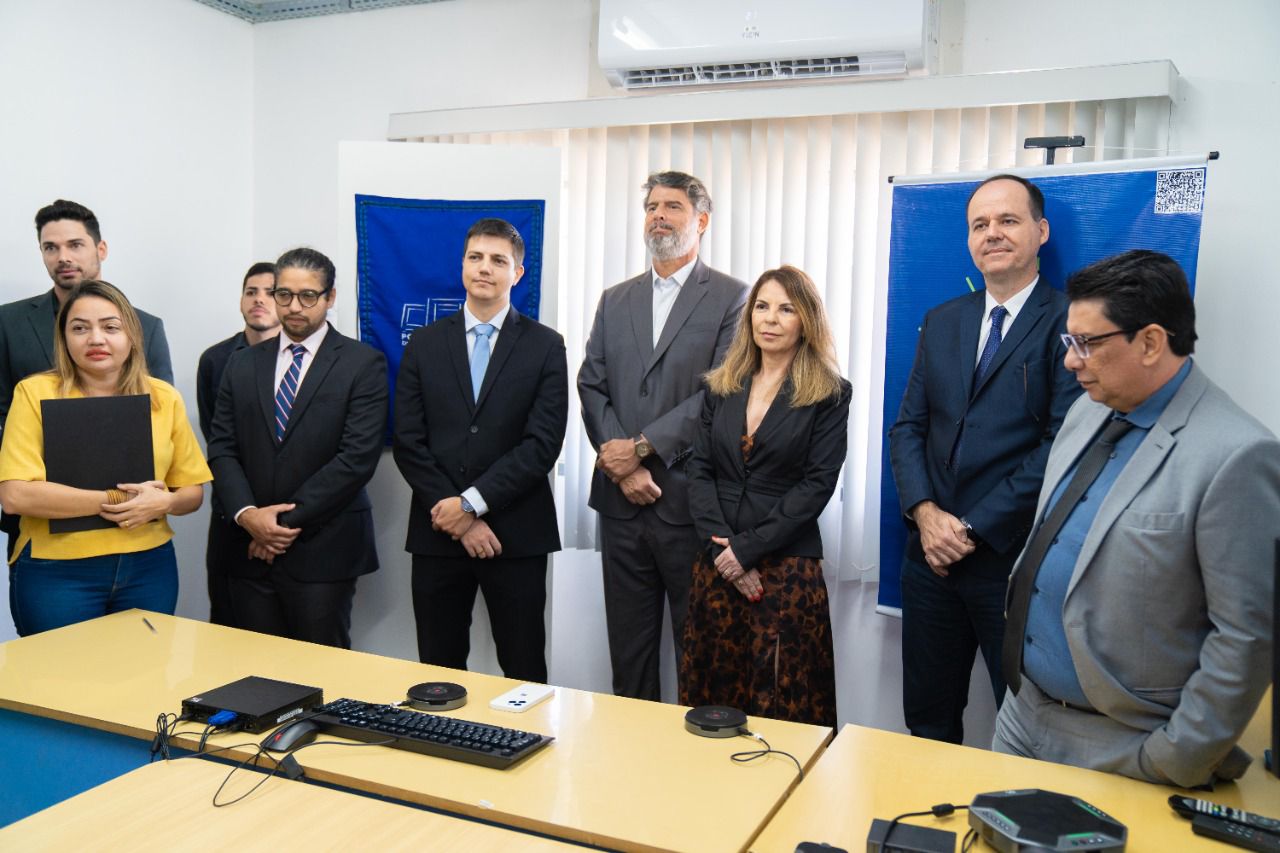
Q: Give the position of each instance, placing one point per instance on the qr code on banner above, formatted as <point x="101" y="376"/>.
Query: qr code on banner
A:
<point x="1179" y="191"/>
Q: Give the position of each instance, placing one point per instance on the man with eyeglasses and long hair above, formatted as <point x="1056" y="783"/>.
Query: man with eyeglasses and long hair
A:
<point x="297" y="433"/>
<point x="1139" y="612"/>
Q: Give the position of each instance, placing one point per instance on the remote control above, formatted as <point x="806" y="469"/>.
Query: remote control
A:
<point x="1190" y="807"/>
<point x="1235" y="833"/>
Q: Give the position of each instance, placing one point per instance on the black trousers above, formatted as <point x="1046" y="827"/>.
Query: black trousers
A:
<point x="221" y="540"/>
<point x="278" y="604"/>
<point x="515" y="594"/>
<point x="646" y="560"/>
<point x="944" y="622"/>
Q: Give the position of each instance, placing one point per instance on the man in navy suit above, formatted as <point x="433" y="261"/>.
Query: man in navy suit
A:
<point x="73" y="250"/>
<point x="986" y="396"/>
<point x="481" y="404"/>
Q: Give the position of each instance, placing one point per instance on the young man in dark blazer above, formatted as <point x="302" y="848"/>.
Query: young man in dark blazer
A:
<point x="296" y="435"/>
<point x="986" y="396"/>
<point x="481" y="403"/>
<point x="260" y="323"/>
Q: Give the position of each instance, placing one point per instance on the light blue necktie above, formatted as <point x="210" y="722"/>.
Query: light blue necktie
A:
<point x="480" y="357"/>
<point x="288" y="390"/>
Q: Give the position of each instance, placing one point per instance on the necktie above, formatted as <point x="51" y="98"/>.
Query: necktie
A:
<point x="288" y="390"/>
<point x="1091" y="465"/>
<point x="480" y="357"/>
<point x="998" y="314"/>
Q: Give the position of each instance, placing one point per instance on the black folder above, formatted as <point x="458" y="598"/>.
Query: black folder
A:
<point x="95" y="443"/>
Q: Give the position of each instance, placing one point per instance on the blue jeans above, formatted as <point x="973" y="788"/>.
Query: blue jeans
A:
<point x="48" y="594"/>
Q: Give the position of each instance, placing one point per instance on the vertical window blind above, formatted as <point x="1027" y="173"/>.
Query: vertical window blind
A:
<point x="804" y="191"/>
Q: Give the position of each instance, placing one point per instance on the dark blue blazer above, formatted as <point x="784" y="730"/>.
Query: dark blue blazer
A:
<point x="1006" y="424"/>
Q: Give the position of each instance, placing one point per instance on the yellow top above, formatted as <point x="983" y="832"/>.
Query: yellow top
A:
<point x="178" y="459"/>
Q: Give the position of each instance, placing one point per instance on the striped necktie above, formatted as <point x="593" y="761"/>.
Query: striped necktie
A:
<point x="288" y="389"/>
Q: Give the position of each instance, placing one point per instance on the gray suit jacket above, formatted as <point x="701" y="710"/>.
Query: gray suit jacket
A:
<point x="628" y="386"/>
<point x="1168" y="610"/>
<point x="26" y="344"/>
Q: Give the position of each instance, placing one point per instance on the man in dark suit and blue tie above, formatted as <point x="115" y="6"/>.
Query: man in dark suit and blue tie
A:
<point x="986" y="396"/>
<point x="297" y="433"/>
<point x="481" y="404"/>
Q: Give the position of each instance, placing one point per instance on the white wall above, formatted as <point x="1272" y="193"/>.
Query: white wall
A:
<point x="141" y="110"/>
<point x="321" y="81"/>
<point x="1227" y="56"/>
<point x="140" y="117"/>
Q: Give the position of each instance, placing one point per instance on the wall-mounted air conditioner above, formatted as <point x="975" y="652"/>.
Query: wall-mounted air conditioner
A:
<point x="652" y="43"/>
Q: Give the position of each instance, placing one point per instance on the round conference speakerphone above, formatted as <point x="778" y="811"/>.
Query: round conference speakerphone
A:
<point x="437" y="696"/>
<point x="1032" y="819"/>
<point x="715" y="721"/>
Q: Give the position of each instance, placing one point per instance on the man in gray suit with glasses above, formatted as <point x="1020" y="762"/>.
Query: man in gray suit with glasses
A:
<point x="1139" y="613"/>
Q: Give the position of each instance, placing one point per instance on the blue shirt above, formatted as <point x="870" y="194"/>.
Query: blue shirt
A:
<point x="1046" y="657"/>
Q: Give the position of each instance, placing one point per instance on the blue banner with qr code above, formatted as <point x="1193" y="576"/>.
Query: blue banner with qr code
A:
<point x="1092" y="215"/>
<point x="409" y="264"/>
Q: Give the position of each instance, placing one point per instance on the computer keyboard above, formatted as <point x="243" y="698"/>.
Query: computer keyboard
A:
<point x="430" y="734"/>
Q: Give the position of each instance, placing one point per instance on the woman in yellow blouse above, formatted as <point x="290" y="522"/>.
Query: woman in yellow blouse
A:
<point x="57" y="579"/>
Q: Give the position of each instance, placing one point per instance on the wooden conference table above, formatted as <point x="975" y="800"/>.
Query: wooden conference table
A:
<point x="868" y="773"/>
<point x="166" y="806"/>
<point x="621" y="773"/>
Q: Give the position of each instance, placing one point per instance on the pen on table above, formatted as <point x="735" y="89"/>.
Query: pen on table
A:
<point x="147" y="622"/>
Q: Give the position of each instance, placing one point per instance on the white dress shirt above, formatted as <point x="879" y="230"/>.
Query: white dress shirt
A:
<point x="665" y="291"/>
<point x="469" y="321"/>
<point x="1013" y="305"/>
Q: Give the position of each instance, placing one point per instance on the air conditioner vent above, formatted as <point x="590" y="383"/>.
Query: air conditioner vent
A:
<point x="769" y="71"/>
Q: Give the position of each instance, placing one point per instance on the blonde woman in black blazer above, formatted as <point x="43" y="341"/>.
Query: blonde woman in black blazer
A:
<point x="764" y="466"/>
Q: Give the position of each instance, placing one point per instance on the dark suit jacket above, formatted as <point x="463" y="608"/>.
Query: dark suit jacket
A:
<point x="213" y="362"/>
<point x="26" y="344"/>
<point x="1008" y="422"/>
<point x="769" y="506"/>
<point x="628" y="386"/>
<point x="503" y="444"/>
<point x="329" y="452"/>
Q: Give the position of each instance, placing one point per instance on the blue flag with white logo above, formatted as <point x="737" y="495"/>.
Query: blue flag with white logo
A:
<point x="1092" y="215"/>
<point x="409" y="264"/>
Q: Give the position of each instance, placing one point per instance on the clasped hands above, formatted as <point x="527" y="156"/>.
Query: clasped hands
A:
<point x="448" y="516"/>
<point x="943" y="537"/>
<point x="618" y="460"/>
<point x="270" y="538"/>
<point x="146" y="502"/>
<point x="747" y="582"/>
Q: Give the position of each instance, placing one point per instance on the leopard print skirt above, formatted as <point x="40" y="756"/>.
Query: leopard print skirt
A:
<point x="771" y="658"/>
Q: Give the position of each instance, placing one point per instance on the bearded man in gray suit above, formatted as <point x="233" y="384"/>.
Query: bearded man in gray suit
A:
<point x="1139" y="613"/>
<point x="653" y="338"/>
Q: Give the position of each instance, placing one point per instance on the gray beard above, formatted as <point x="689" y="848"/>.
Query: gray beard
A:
<point x="677" y="244"/>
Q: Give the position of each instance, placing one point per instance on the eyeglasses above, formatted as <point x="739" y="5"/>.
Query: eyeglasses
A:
<point x="308" y="298"/>
<point x="1080" y="343"/>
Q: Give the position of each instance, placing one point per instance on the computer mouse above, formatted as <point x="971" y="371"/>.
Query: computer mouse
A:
<point x="291" y="736"/>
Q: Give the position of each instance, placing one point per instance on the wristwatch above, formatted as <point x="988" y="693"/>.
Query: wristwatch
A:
<point x="466" y="505"/>
<point x="968" y="530"/>
<point x="643" y="447"/>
